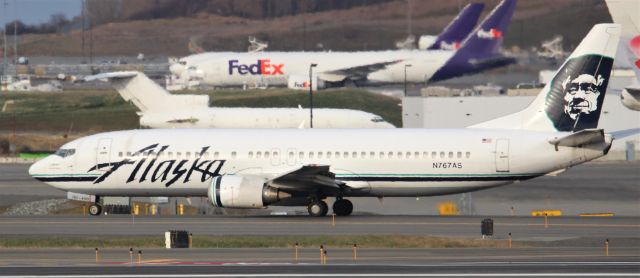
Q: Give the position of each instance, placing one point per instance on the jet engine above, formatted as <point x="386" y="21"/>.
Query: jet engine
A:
<point x="631" y="98"/>
<point x="243" y="192"/>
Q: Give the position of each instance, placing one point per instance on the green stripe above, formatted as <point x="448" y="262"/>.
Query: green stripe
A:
<point x="65" y="175"/>
<point x="435" y="175"/>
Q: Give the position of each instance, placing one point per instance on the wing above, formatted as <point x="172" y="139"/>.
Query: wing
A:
<point x="354" y="73"/>
<point x="308" y="178"/>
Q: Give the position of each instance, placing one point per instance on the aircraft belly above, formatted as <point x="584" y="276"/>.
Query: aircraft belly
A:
<point x="412" y="189"/>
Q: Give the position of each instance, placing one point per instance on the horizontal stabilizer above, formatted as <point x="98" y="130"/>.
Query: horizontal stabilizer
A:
<point x="625" y="133"/>
<point x="583" y="137"/>
<point x="111" y="75"/>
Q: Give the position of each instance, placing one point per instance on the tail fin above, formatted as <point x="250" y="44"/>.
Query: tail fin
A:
<point x="146" y="94"/>
<point x="452" y="35"/>
<point x="627" y="13"/>
<point x="572" y="101"/>
<point x="480" y="50"/>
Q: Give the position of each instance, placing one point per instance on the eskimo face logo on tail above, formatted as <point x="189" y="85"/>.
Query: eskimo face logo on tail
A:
<point x="577" y="93"/>
<point x="581" y="94"/>
<point x="493" y="33"/>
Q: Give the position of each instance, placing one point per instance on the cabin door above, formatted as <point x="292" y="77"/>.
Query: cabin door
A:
<point x="502" y="155"/>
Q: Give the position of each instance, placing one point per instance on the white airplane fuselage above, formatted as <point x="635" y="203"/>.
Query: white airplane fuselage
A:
<point x="382" y="162"/>
<point x="223" y="117"/>
<point x="239" y="68"/>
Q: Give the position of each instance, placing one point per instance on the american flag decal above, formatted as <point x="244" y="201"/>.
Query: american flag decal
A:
<point x="486" y="140"/>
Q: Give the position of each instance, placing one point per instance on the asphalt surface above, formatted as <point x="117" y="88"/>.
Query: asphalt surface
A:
<point x="281" y="262"/>
<point x="594" y="187"/>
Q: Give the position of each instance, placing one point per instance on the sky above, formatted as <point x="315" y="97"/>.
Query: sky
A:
<point x="37" y="11"/>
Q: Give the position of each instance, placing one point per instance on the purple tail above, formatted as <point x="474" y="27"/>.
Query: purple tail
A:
<point x="480" y="50"/>
<point x="452" y="35"/>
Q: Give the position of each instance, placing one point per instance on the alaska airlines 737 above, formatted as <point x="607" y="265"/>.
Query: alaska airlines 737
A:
<point x="256" y="168"/>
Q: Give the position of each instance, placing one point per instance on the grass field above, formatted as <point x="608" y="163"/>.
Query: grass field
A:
<point x="229" y="241"/>
<point x="44" y="121"/>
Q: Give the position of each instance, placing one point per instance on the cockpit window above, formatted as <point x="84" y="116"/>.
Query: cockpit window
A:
<point x="377" y="119"/>
<point x="65" y="152"/>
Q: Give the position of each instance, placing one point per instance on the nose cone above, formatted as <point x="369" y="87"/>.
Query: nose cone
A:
<point x="37" y="168"/>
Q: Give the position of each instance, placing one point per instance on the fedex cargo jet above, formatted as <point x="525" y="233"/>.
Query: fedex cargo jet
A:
<point x="161" y="109"/>
<point x="256" y="168"/>
<point x="479" y="51"/>
<point x="627" y="14"/>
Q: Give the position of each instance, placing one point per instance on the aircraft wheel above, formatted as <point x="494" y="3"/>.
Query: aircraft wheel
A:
<point x="95" y="209"/>
<point x="342" y="207"/>
<point x="318" y="208"/>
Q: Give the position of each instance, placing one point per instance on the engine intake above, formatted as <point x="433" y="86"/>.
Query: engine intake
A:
<point x="243" y="192"/>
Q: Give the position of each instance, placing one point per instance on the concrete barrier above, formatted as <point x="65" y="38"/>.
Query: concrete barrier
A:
<point x="17" y="160"/>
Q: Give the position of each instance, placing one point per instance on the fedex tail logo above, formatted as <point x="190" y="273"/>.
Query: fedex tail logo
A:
<point x="261" y="67"/>
<point x="491" y="34"/>
<point x="449" y="46"/>
<point x="634" y="44"/>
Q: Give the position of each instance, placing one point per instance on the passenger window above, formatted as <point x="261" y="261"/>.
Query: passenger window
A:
<point x="328" y="155"/>
<point x="207" y="154"/>
<point x="119" y="154"/>
<point x="450" y="154"/>
<point x="390" y="155"/>
<point x="216" y="155"/>
<point x="346" y="154"/>
<point x="259" y="155"/>
<point x="266" y="154"/>
<point x="311" y="155"/>
<point x="363" y="154"/>
<point x="320" y="155"/>
<point x="301" y="155"/>
<point x="169" y="154"/>
<point x="337" y="155"/>
<point x="399" y="155"/>
<point x="179" y="155"/>
<point x="434" y="154"/>
<point x="459" y="154"/>
<point x="425" y="154"/>
<point x="381" y="154"/>
<point x="442" y="154"/>
<point x="250" y="154"/>
<point x="416" y="154"/>
<point x="128" y="153"/>
<point x="372" y="154"/>
<point x="468" y="154"/>
<point x="408" y="155"/>
<point x="354" y="154"/>
<point x="188" y="154"/>
<point x="233" y="154"/>
<point x="291" y="155"/>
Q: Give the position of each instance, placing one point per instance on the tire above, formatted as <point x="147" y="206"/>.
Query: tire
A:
<point x="95" y="209"/>
<point x="318" y="208"/>
<point x="342" y="207"/>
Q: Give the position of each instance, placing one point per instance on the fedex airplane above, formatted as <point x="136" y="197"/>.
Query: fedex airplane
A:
<point x="161" y="109"/>
<point x="457" y="30"/>
<point x="255" y="168"/>
<point x="479" y="51"/>
<point x="627" y="14"/>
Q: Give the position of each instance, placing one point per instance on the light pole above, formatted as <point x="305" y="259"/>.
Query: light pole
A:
<point x="311" y="94"/>
<point x="405" y="78"/>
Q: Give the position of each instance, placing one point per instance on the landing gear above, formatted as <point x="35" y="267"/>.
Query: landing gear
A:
<point x="318" y="208"/>
<point x="342" y="207"/>
<point x="95" y="209"/>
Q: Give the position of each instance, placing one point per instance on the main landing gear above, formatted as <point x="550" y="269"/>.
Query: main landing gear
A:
<point x="95" y="209"/>
<point x="341" y="207"/>
<point x="317" y="208"/>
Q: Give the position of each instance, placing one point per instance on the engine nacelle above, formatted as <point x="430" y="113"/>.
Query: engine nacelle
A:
<point x="631" y="98"/>
<point x="243" y="192"/>
<point x="301" y="82"/>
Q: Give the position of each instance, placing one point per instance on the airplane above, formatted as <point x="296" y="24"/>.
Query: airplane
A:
<point x="479" y="51"/>
<point x="161" y="109"/>
<point x="454" y="33"/>
<point x="627" y="13"/>
<point x="256" y="168"/>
